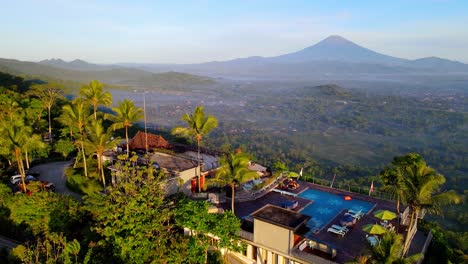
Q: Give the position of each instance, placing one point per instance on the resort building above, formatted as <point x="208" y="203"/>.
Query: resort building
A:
<point x="327" y="225"/>
<point x="284" y="220"/>
<point x="180" y="171"/>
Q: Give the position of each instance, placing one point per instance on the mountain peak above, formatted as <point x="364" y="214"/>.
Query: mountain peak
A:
<point x="335" y="39"/>
<point x="78" y="61"/>
<point x="53" y="60"/>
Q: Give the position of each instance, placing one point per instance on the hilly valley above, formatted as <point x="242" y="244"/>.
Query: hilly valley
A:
<point x="334" y="104"/>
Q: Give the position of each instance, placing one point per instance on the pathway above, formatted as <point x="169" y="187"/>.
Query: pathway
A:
<point x="55" y="172"/>
<point x="8" y="243"/>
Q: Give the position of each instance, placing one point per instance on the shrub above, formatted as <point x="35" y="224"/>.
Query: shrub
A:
<point x="80" y="184"/>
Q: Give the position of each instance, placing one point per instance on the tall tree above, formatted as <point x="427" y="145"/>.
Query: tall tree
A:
<point x="392" y="176"/>
<point x="198" y="126"/>
<point x="126" y="114"/>
<point x="422" y="191"/>
<point x="234" y="171"/>
<point x="194" y="215"/>
<point x="13" y="136"/>
<point x="94" y="94"/>
<point x="48" y="93"/>
<point x="9" y="106"/>
<point x="98" y="141"/>
<point x="133" y="218"/>
<point x="77" y="115"/>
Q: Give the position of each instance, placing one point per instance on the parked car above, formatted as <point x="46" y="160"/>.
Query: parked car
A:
<point x="48" y="186"/>
<point x="32" y="173"/>
<point x="15" y="179"/>
<point x="29" y="178"/>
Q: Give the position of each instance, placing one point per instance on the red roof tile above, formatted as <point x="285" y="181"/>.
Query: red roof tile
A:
<point x="154" y="141"/>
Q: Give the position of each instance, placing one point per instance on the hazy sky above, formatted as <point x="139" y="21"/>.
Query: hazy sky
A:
<point x="197" y="31"/>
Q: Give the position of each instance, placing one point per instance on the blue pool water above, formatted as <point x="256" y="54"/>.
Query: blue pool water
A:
<point x="326" y="206"/>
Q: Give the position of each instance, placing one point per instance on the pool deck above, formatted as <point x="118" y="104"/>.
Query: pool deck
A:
<point x="349" y="246"/>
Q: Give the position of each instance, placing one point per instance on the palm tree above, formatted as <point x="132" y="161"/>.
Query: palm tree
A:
<point x="234" y="171"/>
<point x="98" y="141"/>
<point x="198" y="126"/>
<point x="48" y="94"/>
<point x="126" y="114"/>
<point x="9" y="106"/>
<point x="390" y="249"/>
<point x="13" y="136"/>
<point x="421" y="191"/>
<point x="392" y="177"/>
<point x="391" y="180"/>
<point x="94" y="94"/>
<point x="77" y="114"/>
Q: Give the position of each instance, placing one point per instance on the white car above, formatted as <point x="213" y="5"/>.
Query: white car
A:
<point x="17" y="179"/>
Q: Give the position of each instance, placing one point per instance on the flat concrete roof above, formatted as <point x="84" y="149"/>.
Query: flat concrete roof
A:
<point x="172" y="163"/>
<point x="280" y="216"/>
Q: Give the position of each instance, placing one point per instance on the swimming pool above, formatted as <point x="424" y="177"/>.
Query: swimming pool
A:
<point x="326" y="206"/>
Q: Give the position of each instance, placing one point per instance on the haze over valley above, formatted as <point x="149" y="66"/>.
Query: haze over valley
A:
<point x="335" y="102"/>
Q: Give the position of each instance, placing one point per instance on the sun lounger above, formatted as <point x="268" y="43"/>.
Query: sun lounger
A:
<point x="303" y="245"/>
<point x="336" y="231"/>
<point x="357" y="216"/>
<point x="351" y="211"/>
<point x="343" y="228"/>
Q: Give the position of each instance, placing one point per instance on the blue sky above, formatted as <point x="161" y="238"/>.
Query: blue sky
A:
<point x="107" y="31"/>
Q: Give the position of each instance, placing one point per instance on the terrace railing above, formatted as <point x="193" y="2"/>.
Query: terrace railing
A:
<point x="352" y="188"/>
<point x="298" y="252"/>
<point x="272" y="184"/>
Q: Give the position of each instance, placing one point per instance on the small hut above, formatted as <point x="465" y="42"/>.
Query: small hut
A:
<point x="138" y="142"/>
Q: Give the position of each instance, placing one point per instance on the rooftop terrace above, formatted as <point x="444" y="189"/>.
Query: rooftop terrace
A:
<point x="281" y="217"/>
<point x="173" y="163"/>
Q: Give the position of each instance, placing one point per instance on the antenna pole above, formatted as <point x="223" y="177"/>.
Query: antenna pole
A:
<point x="144" y="114"/>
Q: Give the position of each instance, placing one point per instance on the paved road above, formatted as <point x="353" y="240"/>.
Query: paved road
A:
<point x="8" y="243"/>
<point x="55" y="172"/>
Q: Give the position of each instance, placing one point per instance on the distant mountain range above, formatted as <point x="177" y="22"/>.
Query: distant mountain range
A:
<point x="82" y="71"/>
<point x="332" y="58"/>
<point x="77" y="64"/>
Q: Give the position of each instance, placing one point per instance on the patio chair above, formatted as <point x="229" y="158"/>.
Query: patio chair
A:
<point x="372" y="240"/>
<point x="343" y="228"/>
<point x="336" y="231"/>
<point x="313" y="244"/>
<point x="385" y="224"/>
